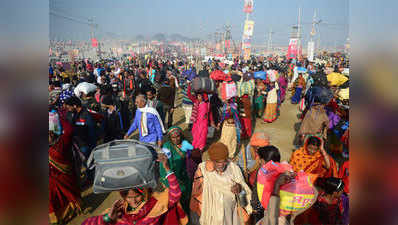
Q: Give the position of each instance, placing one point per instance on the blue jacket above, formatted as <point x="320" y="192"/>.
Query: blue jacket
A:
<point x="154" y="128"/>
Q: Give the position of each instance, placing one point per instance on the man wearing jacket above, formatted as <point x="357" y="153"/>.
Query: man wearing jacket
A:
<point x="83" y="125"/>
<point x="166" y="96"/>
<point x="113" y="123"/>
<point x="148" y="122"/>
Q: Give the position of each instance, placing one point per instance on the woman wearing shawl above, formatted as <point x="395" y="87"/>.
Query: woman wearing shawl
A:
<point x="231" y="127"/>
<point x="282" y="87"/>
<point x="299" y="84"/>
<point x="177" y="150"/>
<point x="271" y="108"/>
<point x="312" y="158"/>
<point x="142" y="206"/>
<point x="200" y="114"/>
<point x="64" y="194"/>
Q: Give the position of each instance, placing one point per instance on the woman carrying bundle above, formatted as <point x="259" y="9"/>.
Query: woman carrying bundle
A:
<point x="141" y="206"/>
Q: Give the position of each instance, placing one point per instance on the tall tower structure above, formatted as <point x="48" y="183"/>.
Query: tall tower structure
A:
<point x="227" y="39"/>
<point x="247" y="29"/>
<point x="269" y="43"/>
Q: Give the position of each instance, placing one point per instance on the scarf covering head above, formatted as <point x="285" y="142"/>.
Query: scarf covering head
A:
<point x="260" y="139"/>
<point x="302" y="160"/>
<point x="174" y="130"/>
<point x="143" y="210"/>
<point x="144" y="125"/>
<point x="65" y="95"/>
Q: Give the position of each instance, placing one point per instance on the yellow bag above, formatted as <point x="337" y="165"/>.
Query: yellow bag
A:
<point x="344" y="94"/>
<point x="297" y="195"/>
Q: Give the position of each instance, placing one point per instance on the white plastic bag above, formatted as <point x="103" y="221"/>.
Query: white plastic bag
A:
<point x="210" y="132"/>
<point x="54" y="124"/>
<point x="85" y="88"/>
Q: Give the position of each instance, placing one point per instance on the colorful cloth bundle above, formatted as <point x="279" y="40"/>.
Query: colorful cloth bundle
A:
<point x="246" y="87"/>
<point x="295" y="196"/>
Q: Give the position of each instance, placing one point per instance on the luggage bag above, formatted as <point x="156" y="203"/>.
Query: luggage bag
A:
<point x="124" y="164"/>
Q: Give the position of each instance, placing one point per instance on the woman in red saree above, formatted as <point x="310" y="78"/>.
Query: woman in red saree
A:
<point x="312" y="158"/>
<point x="64" y="192"/>
<point x="200" y="117"/>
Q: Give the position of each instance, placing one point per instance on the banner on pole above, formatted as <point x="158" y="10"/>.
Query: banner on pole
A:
<point x="246" y="42"/>
<point x="203" y="51"/>
<point x="246" y="45"/>
<point x="248" y="6"/>
<point x="227" y="44"/>
<point x="248" y="29"/>
<point x="94" y="42"/>
<point x="246" y="54"/>
<point x="310" y="51"/>
<point x="218" y="46"/>
<point x="292" y="50"/>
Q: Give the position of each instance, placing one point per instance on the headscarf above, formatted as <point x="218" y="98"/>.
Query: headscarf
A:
<point x="173" y="130"/>
<point x="65" y="95"/>
<point x="302" y="160"/>
<point x="260" y="139"/>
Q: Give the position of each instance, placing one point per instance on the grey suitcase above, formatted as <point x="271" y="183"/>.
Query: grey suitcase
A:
<point x="124" y="164"/>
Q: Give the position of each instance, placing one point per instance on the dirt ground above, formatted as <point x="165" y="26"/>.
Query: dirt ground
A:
<point x="282" y="133"/>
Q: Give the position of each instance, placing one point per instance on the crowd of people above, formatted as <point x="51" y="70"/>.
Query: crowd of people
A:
<point x="97" y="102"/>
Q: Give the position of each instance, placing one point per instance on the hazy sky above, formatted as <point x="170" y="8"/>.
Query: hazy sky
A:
<point x="128" y="18"/>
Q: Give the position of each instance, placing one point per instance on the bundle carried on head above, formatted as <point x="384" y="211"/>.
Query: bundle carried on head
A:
<point x="204" y="84"/>
<point x="319" y="94"/>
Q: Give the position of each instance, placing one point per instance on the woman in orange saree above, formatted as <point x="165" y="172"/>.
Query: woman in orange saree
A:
<point x="64" y="192"/>
<point x="312" y="158"/>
